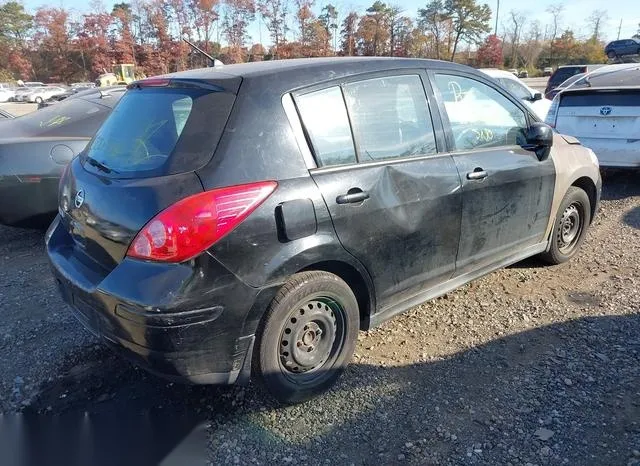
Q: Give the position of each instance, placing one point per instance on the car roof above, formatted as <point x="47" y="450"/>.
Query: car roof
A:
<point x="320" y="67"/>
<point x="626" y="77"/>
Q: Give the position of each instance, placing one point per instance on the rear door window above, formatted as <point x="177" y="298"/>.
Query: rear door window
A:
<point x="390" y="117"/>
<point x="155" y="132"/>
<point x="327" y="124"/>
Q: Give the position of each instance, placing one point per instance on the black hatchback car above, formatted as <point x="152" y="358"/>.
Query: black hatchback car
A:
<point x="251" y="219"/>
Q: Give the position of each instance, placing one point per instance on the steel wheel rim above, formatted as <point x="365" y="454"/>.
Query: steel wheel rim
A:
<point x="570" y="228"/>
<point x="311" y="339"/>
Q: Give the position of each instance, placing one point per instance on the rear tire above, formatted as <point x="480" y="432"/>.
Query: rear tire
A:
<point x="307" y="337"/>
<point x="611" y="55"/>
<point x="570" y="228"/>
<point x="38" y="100"/>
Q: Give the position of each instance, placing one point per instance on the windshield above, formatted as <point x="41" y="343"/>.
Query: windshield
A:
<point x="517" y="89"/>
<point x="155" y="131"/>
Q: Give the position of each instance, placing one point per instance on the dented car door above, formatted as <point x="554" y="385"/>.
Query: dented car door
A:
<point x="397" y="208"/>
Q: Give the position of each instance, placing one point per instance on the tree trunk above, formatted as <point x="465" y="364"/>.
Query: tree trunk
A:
<point x="455" y="45"/>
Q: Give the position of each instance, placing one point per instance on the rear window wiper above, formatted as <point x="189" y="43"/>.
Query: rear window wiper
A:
<point x="100" y="166"/>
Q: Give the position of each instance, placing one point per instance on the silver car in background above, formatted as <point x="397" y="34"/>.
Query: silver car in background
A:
<point x="602" y="110"/>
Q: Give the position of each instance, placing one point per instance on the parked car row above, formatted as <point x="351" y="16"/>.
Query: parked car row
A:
<point x="602" y="110"/>
<point x="37" y="92"/>
<point x="35" y="148"/>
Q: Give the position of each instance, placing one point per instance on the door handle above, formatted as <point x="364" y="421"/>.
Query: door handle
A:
<point x="353" y="196"/>
<point x="477" y="174"/>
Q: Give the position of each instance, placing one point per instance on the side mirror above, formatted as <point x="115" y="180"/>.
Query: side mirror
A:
<point x="537" y="96"/>
<point x="539" y="139"/>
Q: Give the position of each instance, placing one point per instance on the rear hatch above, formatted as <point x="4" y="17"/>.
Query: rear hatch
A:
<point x="141" y="161"/>
<point x="600" y="113"/>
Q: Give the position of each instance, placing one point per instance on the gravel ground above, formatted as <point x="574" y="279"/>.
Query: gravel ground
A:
<point x="529" y="365"/>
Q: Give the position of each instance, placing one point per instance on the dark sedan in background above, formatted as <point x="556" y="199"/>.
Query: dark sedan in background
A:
<point x="35" y="148"/>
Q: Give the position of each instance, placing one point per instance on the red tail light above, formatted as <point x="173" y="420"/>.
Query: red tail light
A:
<point x="192" y="225"/>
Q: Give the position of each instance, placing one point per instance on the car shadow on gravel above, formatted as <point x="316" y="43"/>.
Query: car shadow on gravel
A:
<point x="620" y="184"/>
<point x="567" y="392"/>
<point x="632" y="218"/>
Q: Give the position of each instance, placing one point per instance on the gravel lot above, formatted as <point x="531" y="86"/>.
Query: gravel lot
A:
<point x="529" y="365"/>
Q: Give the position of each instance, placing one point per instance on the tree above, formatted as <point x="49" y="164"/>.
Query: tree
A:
<point x="490" y="52"/>
<point x="637" y="34"/>
<point x="94" y="43"/>
<point x="597" y="22"/>
<point x="53" y="39"/>
<point x="274" y="13"/>
<point x="434" y="20"/>
<point x="123" y="40"/>
<point x="304" y="15"/>
<point x="15" y="26"/>
<point x="238" y="16"/>
<point x="556" y="13"/>
<point x="204" y="14"/>
<point x="532" y="46"/>
<point x="517" y="20"/>
<point x="329" y="19"/>
<point x="348" y="34"/>
<point x="469" y="21"/>
<point x="373" y="30"/>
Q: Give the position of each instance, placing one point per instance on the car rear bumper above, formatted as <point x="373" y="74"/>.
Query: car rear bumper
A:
<point x="28" y="201"/>
<point x="615" y="153"/>
<point x="184" y="322"/>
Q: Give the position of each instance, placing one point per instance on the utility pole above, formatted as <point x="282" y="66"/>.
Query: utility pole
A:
<point x="619" y="28"/>
<point x="495" y="32"/>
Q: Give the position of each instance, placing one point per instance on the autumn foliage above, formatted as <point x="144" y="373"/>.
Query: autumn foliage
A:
<point x="55" y="45"/>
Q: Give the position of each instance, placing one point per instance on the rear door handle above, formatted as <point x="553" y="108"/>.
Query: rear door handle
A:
<point x="477" y="174"/>
<point x="353" y="196"/>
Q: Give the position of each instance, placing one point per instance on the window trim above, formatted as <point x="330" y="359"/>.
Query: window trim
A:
<point x="439" y="132"/>
<point x="448" y="131"/>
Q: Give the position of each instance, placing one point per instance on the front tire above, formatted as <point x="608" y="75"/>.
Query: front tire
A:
<point x="570" y="228"/>
<point x="307" y="337"/>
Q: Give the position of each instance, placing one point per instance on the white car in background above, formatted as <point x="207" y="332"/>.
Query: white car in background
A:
<point x="532" y="98"/>
<point x="22" y="92"/>
<point x="6" y="94"/>
<point x="602" y="110"/>
<point x="44" y="93"/>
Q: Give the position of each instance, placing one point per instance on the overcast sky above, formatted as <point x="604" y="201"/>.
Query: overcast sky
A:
<point x="574" y="16"/>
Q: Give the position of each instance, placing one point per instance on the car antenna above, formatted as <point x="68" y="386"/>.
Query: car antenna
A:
<point x="214" y="61"/>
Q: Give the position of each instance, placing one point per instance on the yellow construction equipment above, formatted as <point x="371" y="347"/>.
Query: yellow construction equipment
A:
<point x="122" y="73"/>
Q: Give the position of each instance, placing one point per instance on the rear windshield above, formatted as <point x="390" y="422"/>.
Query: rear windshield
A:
<point x="73" y="118"/>
<point x="155" y="132"/>
<point x="629" y="98"/>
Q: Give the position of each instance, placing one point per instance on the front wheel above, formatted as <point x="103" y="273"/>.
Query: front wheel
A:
<point x="38" y="100"/>
<point x="307" y="336"/>
<point x="570" y="228"/>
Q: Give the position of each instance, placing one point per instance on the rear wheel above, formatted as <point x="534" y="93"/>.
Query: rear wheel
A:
<point x="307" y="337"/>
<point x="570" y="228"/>
<point x="611" y="55"/>
<point x="38" y="100"/>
